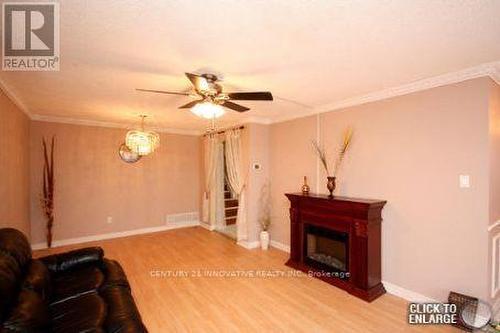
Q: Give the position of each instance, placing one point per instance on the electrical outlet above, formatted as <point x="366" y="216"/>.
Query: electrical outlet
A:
<point x="464" y="181"/>
<point x="109" y="220"/>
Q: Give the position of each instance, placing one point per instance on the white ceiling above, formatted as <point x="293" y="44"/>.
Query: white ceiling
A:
<point x="314" y="53"/>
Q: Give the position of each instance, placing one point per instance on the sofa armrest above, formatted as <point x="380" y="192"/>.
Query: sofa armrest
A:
<point x="114" y="276"/>
<point x="62" y="262"/>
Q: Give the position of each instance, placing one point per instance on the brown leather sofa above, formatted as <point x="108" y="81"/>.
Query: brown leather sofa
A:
<point x="76" y="291"/>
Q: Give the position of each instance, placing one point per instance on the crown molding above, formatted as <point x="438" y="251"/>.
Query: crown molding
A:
<point x="257" y="120"/>
<point x="420" y="85"/>
<point x="493" y="226"/>
<point x="95" y="123"/>
<point x="180" y="131"/>
<point x="491" y="69"/>
<point x="13" y="97"/>
<point x="495" y="74"/>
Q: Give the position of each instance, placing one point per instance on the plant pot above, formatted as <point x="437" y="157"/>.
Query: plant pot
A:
<point x="264" y="240"/>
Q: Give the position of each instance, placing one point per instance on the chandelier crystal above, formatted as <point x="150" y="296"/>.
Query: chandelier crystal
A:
<point x="208" y="110"/>
<point x="141" y="141"/>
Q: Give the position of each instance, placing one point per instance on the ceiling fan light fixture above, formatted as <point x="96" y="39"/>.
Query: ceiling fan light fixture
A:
<point x="203" y="84"/>
<point x="213" y="96"/>
<point x="208" y="110"/>
<point x="142" y="142"/>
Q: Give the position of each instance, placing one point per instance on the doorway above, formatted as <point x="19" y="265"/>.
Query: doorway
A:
<point x="228" y="227"/>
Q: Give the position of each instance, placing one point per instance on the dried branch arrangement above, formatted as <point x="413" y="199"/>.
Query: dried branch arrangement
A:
<point x="265" y="206"/>
<point x="47" y="199"/>
<point x="346" y="143"/>
<point x="321" y="152"/>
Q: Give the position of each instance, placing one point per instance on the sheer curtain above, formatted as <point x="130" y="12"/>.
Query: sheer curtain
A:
<point x="217" y="190"/>
<point x="212" y="209"/>
<point x="235" y="178"/>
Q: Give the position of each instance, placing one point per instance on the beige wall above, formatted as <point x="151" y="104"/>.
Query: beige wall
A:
<point x="255" y="146"/>
<point x="92" y="183"/>
<point x="291" y="160"/>
<point x="14" y="166"/>
<point x="410" y="151"/>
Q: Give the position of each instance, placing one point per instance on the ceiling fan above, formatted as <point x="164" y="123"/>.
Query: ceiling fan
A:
<point x="210" y="92"/>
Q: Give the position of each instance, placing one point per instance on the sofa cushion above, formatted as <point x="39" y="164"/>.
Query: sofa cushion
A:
<point x="123" y="315"/>
<point x="38" y="279"/>
<point x="76" y="282"/>
<point x="10" y="274"/>
<point x="85" y="313"/>
<point x="29" y="314"/>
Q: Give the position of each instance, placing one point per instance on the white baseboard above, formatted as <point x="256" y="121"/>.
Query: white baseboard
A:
<point x="72" y="241"/>
<point x="275" y="244"/>
<point x="406" y="294"/>
<point x="246" y="244"/>
<point x="280" y="246"/>
<point x="207" y="226"/>
<point x="249" y="245"/>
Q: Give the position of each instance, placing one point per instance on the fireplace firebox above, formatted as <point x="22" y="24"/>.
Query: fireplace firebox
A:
<point x="338" y="240"/>
<point x="327" y="249"/>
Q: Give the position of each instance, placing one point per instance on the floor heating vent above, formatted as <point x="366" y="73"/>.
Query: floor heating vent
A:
<point x="182" y="219"/>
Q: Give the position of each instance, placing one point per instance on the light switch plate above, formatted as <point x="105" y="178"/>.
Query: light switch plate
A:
<point x="464" y="181"/>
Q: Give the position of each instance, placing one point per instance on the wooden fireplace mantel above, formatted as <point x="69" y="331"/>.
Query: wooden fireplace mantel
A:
<point x="360" y="219"/>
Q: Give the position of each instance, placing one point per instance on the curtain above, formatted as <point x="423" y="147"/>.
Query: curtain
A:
<point x="217" y="215"/>
<point x="213" y="196"/>
<point x="210" y="148"/>
<point x="235" y="179"/>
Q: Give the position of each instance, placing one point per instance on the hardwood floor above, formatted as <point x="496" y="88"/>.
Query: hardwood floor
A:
<point x="239" y="304"/>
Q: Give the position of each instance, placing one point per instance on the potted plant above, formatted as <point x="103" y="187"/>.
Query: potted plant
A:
<point x="264" y="234"/>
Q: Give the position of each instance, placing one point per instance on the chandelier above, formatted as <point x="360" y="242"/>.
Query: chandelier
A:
<point x="142" y="142"/>
<point x="208" y="110"/>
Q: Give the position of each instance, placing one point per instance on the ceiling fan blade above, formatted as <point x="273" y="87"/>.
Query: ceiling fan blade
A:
<point x="251" y="96"/>
<point x="164" y="92"/>
<point x="199" y="82"/>
<point x="234" y="106"/>
<point x="190" y="104"/>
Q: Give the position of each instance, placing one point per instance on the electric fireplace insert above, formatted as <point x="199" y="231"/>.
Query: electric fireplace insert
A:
<point x="327" y="249"/>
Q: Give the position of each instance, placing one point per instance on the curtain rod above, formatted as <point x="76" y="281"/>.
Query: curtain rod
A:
<point x="227" y="129"/>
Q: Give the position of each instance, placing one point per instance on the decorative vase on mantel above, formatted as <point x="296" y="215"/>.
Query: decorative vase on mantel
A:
<point x="305" y="187"/>
<point x="330" y="185"/>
